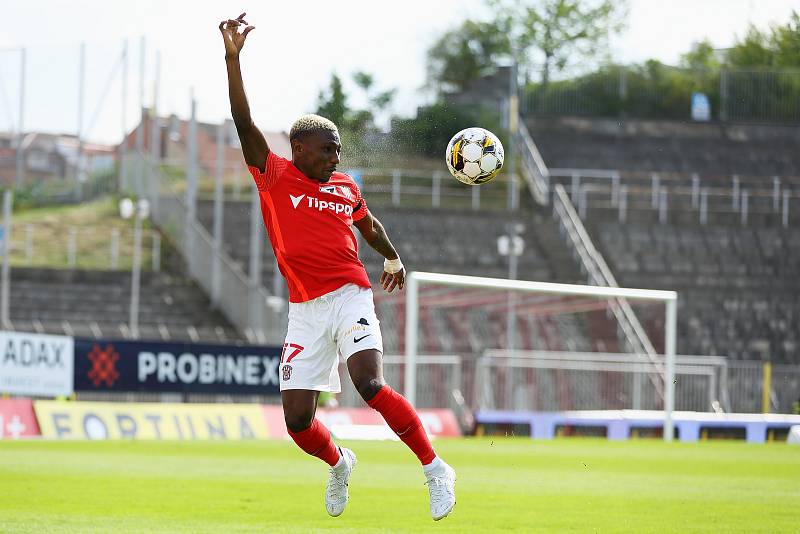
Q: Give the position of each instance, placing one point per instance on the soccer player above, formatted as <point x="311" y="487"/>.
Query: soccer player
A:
<point x="308" y="209"/>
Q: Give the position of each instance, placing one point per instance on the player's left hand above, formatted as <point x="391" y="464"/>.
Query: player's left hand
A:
<point x="390" y="281"/>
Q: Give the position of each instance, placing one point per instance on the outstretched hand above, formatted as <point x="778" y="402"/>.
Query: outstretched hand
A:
<point x="234" y="41"/>
<point x="391" y="280"/>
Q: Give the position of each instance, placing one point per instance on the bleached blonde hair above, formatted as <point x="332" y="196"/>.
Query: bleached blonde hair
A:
<point x="311" y="123"/>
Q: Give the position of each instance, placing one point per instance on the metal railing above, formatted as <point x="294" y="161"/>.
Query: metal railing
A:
<point x="245" y="303"/>
<point x="84" y="247"/>
<point x="739" y="196"/>
<point x="534" y="171"/>
<point x="381" y="186"/>
<point x="599" y="273"/>
<point x="554" y="381"/>
<point x="538" y="178"/>
<point x="437" y="376"/>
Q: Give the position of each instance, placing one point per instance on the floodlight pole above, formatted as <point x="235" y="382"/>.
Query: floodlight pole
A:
<point x="191" y="184"/>
<point x="20" y="175"/>
<point x="140" y="127"/>
<point x="5" y="318"/>
<point x="123" y="148"/>
<point x="216" y="266"/>
<point x="133" y="317"/>
<point x="81" y="83"/>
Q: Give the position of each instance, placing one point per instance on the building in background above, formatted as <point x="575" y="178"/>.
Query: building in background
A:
<point x="50" y="157"/>
<point x="172" y="148"/>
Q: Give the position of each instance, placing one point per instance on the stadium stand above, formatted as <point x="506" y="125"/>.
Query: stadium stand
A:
<point x="736" y="269"/>
<point x="95" y="304"/>
<point x="667" y="146"/>
<point x="432" y="240"/>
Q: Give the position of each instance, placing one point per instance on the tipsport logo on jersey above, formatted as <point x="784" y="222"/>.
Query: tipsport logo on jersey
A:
<point x="321" y="205"/>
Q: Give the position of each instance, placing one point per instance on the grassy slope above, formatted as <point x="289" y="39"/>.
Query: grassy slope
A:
<point x="513" y="485"/>
<point x="94" y="222"/>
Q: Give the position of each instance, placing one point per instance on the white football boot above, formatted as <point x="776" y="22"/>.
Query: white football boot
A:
<point x="441" y="486"/>
<point x="336" y="492"/>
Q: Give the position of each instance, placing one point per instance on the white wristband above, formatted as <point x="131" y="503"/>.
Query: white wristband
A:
<point x="392" y="266"/>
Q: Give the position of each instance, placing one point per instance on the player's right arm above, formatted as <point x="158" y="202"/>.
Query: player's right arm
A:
<point x="254" y="145"/>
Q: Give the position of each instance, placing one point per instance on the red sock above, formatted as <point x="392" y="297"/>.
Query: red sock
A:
<point x="401" y="417"/>
<point x="316" y="441"/>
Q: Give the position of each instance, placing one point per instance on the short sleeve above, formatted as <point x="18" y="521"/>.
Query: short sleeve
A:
<point x="273" y="170"/>
<point x="359" y="206"/>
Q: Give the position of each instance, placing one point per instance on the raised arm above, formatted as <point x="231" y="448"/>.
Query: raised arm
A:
<point x="254" y="146"/>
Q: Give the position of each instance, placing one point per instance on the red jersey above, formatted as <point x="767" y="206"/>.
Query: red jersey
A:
<point x="310" y="228"/>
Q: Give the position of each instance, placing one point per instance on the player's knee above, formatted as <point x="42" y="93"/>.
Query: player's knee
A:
<point x="297" y="422"/>
<point x="369" y="387"/>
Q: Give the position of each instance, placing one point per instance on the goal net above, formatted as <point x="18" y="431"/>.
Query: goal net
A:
<point x="542" y="346"/>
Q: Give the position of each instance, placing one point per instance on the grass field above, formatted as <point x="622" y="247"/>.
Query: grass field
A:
<point x="504" y="485"/>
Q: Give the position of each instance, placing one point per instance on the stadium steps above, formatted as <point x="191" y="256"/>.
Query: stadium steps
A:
<point x="96" y="304"/>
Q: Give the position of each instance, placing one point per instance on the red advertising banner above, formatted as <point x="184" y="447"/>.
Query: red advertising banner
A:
<point x="17" y="419"/>
<point x="438" y="423"/>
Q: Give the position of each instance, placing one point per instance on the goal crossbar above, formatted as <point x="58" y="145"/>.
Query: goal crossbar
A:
<point x="669" y="298"/>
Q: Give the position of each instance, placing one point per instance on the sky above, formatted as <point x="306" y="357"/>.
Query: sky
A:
<point x="287" y="59"/>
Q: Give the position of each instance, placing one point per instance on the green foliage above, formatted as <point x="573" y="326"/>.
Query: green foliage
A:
<point x="752" y="51"/>
<point x="56" y="191"/>
<point x="750" y="91"/>
<point x="467" y="53"/>
<point x="559" y="32"/>
<point x="786" y="42"/>
<point x="778" y="47"/>
<point x="431" y="130"/>
<point x="701" y="56"/>
<point x="333" y="104"/>
<point x="651" y="90"/>
<point x="546" y="35"/>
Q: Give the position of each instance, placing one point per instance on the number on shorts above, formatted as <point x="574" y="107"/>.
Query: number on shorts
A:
<point x="296" y="349"/>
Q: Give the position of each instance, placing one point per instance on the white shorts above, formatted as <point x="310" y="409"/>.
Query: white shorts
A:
<point x="339" y="323"/>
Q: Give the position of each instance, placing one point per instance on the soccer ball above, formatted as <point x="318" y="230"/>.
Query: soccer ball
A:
<point x="474" y="156"/>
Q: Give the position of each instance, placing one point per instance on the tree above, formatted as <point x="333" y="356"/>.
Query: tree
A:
<point x="378" y="102"/>
<point x="752" y="51"/>
<point x="544" y="35"/>
<point x="428" y="133"/>
<point x="778" y="47"/>
<point x="333" y="105"/>
<point x="466" y="53"/>
<point x="555" y="33"/>
<point x="786" y="43"/>
<point x="701" y="56"/>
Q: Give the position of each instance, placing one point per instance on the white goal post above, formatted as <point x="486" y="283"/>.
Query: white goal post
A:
<point x="415" y="279"/>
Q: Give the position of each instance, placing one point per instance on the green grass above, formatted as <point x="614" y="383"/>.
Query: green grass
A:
<point x="93" y="221"/>
<point x="504" y="485"/>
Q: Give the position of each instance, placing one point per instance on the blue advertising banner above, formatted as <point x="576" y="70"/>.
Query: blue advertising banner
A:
<point x="109" y="365"/>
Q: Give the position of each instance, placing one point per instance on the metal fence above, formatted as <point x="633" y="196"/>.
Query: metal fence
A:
<point x="555" y="381"/>
<point x="659" y="91"/>
<point x="735" y="198"/>
<point x="437" y="377"/>
<point x="58" y="246"/>
<point x="240" y="296"/>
